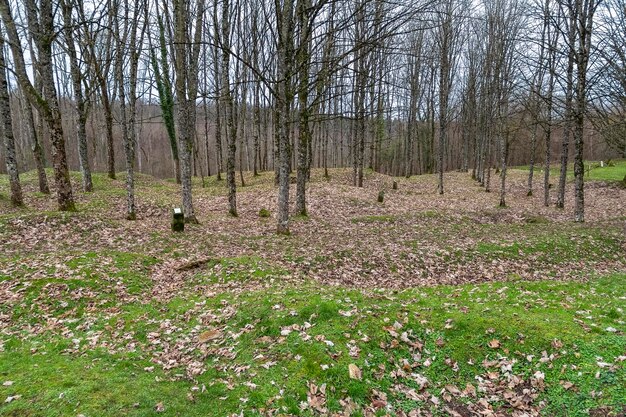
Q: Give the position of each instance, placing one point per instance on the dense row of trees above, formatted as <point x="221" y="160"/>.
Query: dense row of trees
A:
<point x="399" y="86"/>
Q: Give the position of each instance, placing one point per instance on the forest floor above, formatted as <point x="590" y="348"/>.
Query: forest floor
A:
<point x="421" y="305"/>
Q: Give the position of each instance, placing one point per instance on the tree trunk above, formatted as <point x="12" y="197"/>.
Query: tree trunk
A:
<point x="283" y="101"/>
<point x="567" y="129"/>
<point x="584" y="11"/>
<point x="121" y="84"/>
<point x="218" y="98"/>
<point x="79" y="100"/>
<point x="108" y="124"/>
<point x="37" y="149"/>
<point x="6" y="125"/>
<point x="231" y="125"/>
<point x="531" y="169"/>
<point x="186" y="66"/>
<point x="303" y="58"/>
<point x="161" y="68"/>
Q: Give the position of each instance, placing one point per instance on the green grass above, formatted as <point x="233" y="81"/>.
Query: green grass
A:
<point x="608" y="173"/>
<point x="240" y="269"/>
<point x="556" y="245"/>
<point x="57" y="377"/>
<point x="593" y="170"/>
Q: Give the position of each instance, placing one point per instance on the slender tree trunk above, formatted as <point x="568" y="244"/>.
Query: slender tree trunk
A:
<point x="226" y="95"/>
<point x="567" y="128"/>
<point x="6" y="126"/>
<point x="487" y="165"/>
<point x="548" y="144"/>
<point x="579" y="167"/>
<point x="186" y="66"/>
<point x="284" y="52"/>
<point x="531" y="170"/>
<point x="257" y="130"/>
<point x="108" y="125"/>
<point x="243" y="115"/>
<point x="585" y="10"/>
<point x="218" y="98"/>
<point x="37" y="149"/>
<point x="206" y="137"/>
<point x="121" y="84"/>
<point x="304" y="131"/>
<point x="79" y="101"/>
<point x="446" y="40"/>
<point x="504" y="150"/>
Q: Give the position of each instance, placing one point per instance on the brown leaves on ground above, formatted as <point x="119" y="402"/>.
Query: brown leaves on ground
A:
<point x="316" y="398"/>
<point x="349" y="239"/>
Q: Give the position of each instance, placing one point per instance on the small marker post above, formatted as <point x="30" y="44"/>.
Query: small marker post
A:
<point x="178" y="220"/>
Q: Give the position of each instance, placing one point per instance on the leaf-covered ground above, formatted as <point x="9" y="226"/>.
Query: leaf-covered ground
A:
<point x="421" y="305"/>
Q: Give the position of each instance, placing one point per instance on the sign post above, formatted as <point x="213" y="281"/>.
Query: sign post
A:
<point x="178" y="220"/>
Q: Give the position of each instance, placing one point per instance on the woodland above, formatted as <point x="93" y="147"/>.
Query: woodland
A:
<point x="313" y="208"/>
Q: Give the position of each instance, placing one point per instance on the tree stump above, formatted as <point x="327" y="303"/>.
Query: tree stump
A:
<point x="395" y="185"/>
<point x="178" y="220"/>
<point x="381" y="196"/>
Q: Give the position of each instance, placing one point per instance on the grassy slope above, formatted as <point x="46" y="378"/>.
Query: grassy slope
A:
<point x="57" y="376"/>
<point x="83" y="337"/>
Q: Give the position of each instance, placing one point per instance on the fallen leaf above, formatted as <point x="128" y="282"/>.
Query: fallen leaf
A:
<point x="208" y="335"/>
<point x="12" y="398"/>
<point x="453" y="390"/>
<point x="355" y="372"/>
<point x="469" y="390"/>
<point x="316" y="397"/>
<point x="494" y="344"/>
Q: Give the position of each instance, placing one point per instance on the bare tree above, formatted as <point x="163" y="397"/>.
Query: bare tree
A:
<point x="79" y="97"/>
<point x="284" y="97"/>
<point x="609" y="91"/>
<point x="448" y="39"/>
<point x="570" y="24"/>
<point x="303" y="62"/>
<point x="97" y="51"/>
<point x="229" y="106"/>
<point x="536" y="102"/>
<point x="41" y="26"/>
<point x="161" y="71"/>
<point x="187" y="51"/>
<point x="584" y="11"/>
